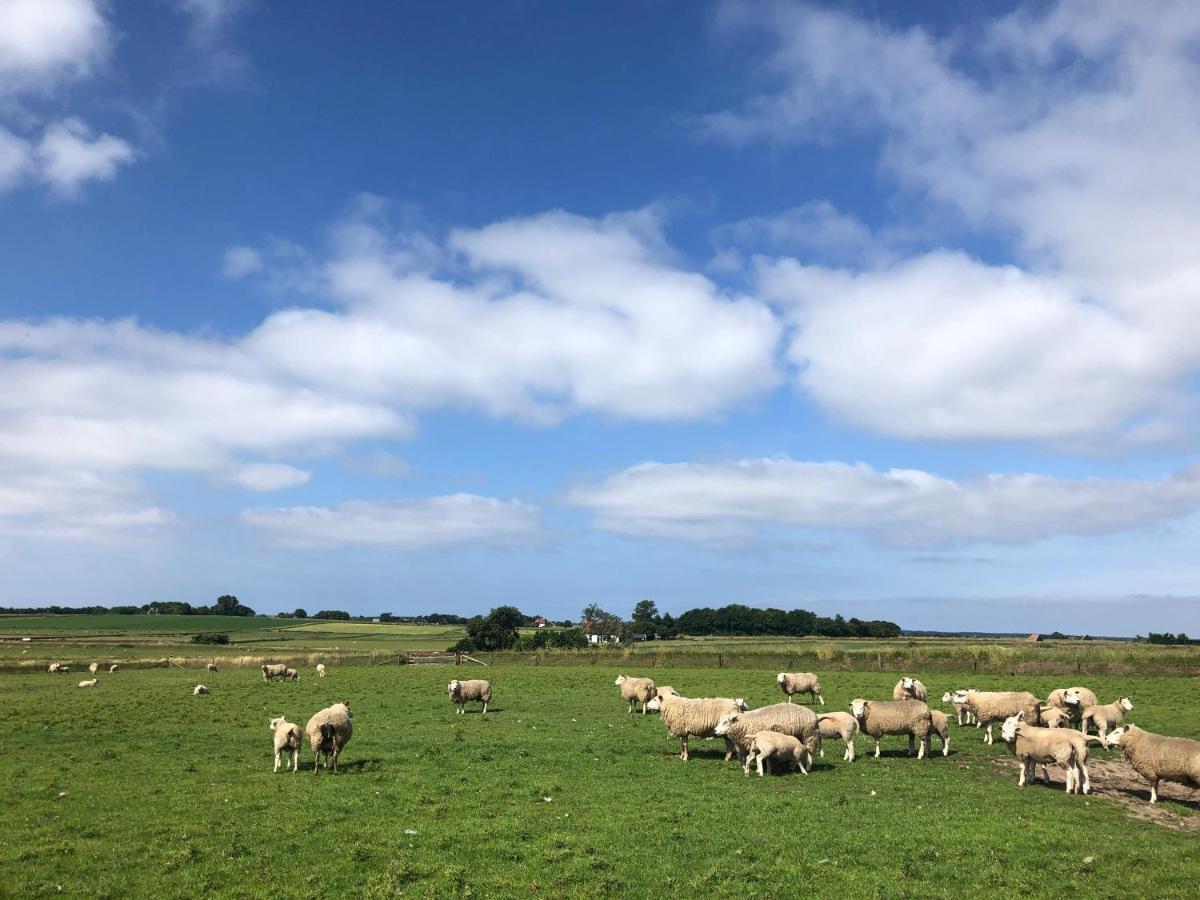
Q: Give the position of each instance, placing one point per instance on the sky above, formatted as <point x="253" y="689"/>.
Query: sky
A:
<point x="888" y="310"/>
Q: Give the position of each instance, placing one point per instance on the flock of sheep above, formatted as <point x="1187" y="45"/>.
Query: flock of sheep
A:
<point x="1037" y="732"/>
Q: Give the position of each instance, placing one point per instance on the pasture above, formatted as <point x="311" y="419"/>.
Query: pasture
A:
<point x="138" y="788"/>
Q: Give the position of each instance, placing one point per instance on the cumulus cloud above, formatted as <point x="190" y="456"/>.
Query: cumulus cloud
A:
<point x="1067" y="131"/>
<point x="241" y="261"/>
<point x="75" y="504"/>
<point x="43" y="42"/>
<point x="814" y="230"/>
<point x="901" y="507"/>
<point x="69" y="155"/>
<point x="269" y="476"/>
<point x="15" y="158"/>
<point x="426" y="522"/>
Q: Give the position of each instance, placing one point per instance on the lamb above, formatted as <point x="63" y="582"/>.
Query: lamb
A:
<point x="94" y="668"/>
<point x="328" y="732"/>
<point x="1106" y="717"/>
<point x="636" y="690"/>
<point x="990" y="707"/>
<point x="273" y="670"/>
<point x="113" y="668"/>
<point x="463" y="691"/>
<point x="53" y="668"/>
<point x="89" y="683"/>
<point x="941" y="727"/>
<point x="287" y="740"/>
<point x="800" y="683"/>
<point x="965" y="716"/>
<point x="909" y="688"/>
<point x="880" y="717"/>
<point x="1158" y="757"/>
<point x="291" y="675"/>
<point x="1033" y="745"/>
<point x="839" y="725"/>
<point x="212" y="667"/>
<point x="694" y="717"/>
<point x="770" y="745"/>
<point x="199" y="689"/>
<point x="1053" y="717"/>
<point x="786" y="718"/>
<point x="1074" y="700"/>
<point x="321" y="669"/>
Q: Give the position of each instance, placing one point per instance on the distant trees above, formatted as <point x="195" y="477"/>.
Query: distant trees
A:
<point x="738" y="619"/>
<point x="335" y="614"/>
<point x="300" y="613"/>
<point x="496" y="631"/>
<point x="1168" y="638"/>
<point x="228" y="605"/>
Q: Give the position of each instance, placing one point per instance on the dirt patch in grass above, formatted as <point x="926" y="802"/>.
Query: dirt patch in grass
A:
<point x="1115" y="780"/>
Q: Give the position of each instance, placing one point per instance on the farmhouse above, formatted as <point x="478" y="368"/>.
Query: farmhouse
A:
<point x="540" y="622"/>
<point x="601" y="632"/>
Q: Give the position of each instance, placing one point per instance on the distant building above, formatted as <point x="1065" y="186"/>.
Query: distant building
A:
<point x="1034" y="637"/>
<point x="540" y="622"/>
<point x="602" y="632"/>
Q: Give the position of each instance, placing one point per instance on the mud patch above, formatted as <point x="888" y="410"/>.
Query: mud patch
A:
<point x="1115" y="781"/>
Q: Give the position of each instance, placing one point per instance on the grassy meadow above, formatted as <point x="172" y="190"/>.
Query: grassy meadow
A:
<point x="137" y="788"/>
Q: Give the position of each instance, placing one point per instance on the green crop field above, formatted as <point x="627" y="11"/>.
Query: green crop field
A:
<point x="137" y="788"/>
<point x="112" y="623"/>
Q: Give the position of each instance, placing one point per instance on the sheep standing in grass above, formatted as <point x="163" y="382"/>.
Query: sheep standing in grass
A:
<point x="287" y="740"/>
<point x="1062" y="746"/>
<point x="786" y="718"/>
<point x="767" y="746"/>
<point x="880" y="717"/>
<point x="1157" y="757"/>
<point x="909" y="688"/>
<point x="94" y="668"/>
<point x="990" y="707"/>
<point x="321" y="669"/>
<point x="636" y="690"/>
<point x="328" y="732"/>
<point x="211" y="667"/>
<point x="199" y="689"/>
<point x="91" y="682"/>
<point x="694" y="717"/>
<point x="941" y="727"/>
<point x="1074" y="700"/>
<point x="1106" y="717"/>
<point x="1053" y="717"/>
<point x="839" y="725"/>
<point x="53" y="668"/>
<point x="462" y="692"/>
<point x="291" y="675"/>
<point x="965" y="716"/>
<point x="800" y="683"/>
<point x="112" y="668"/>
<point x="273" y="670"/>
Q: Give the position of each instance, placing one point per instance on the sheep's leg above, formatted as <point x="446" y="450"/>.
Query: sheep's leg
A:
<point x="1070" y="777"/>
<point x="761" y="765"/>
<point x="683" y="742"/>
<point x="800" y="763"/>
<point x="485" y="707"/>
<point x="989" y="733"/>
<point x="295" y="760"/>
<point x="822" y="752"/>
<point x="1045" y="774"/>
<point x="911" y="745"/>
<point x="946" y="745"/>
<point x="1024" y="769"/>
<point x="877" y="748"/>
<point x="923" y="753"/>
<point x="749" y="759"/>
<point x="1154" y="791"/>
<point x="850" y="751"/>
<point x="730" y="750"/>
<point x="277" y="755"/>
<point x="789" y="698"/>
<point x="821" y="699"/>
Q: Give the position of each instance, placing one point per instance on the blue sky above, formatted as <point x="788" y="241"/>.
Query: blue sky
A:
<point x="859" y="308"/>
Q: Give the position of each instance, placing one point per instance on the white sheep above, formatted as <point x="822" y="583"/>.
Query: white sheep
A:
<point x="273" y="670"/>
<point x="990" y="707"/>
<point x="1158" y="757"/>
<point x="199" y="689"/>
<point x="287" y="740"/>
<point x="839" y="725"/>
<point x="53" y="667"/>
<point x="462" y="692"/>
<point x="941" y="727"/>
<point x="329" y="731"/>
<point x="786" y="718"/>
<point x="694" y="717"/>
<point x="909" y="688"/>
<point x="1073" y="699"/>
<point x="800" y="683"/>
<point x="880" y="717"/>
<point x="1062" y="746"/>
<point x="965" y="716"/>
<point x="636" y="690"/>
<point x="211" y="667"/>
<point x="767" y="746"/>
<point x="1106" y="717"/>
<point x="1053" y="717"/>
<point x="91" y="682"/>
<point x="94" y="668"/>
<point x="291" y="675"/>
<point x="113" y="668"/>
<point x="321" y="669"/>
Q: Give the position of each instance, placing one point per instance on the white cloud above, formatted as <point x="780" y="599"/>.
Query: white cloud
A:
<point x="43" y="42"/>
<point x="70" y="155"/>
<point x="816" y="229"/>
<point x="901" y="507"/>
<point x="1069" y="132"/>
<point x="210" y="24"/>
<point x="269" y="476"/>
<point x="241" y="261"/>
<point x="427" y="522"/>
<point x="15" y="158"/>
<point x="72" y="504"/>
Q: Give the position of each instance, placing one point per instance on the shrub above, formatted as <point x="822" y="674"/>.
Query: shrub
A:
<point x="210" y="637"/>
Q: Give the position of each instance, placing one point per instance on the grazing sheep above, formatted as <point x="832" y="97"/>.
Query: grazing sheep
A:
<point x="839" y="725"/>
<point x="273" y="670"/>
<point x="636" y="690"/>
<point x="461" y="692"/>
<point x="113" y="668"/>
<point x="766" y="746"/>
<point x="694" y="717"/>
<point x="199" y="689"/>
<point x="941" y="727"/>
<point x="990" y="707"/>
<point x="53" y="668"/>
<point x="909" y="688"/>
<point x="94" y="668"/>
<point x="965" y="716"/>
<point x="1157" y="757"/>
<point x="287" y="740"/>
<point x="329" y="732"/>
<point x="91" y="682"/>
<point x="1053" y="717"/>
<point x="1074" y="700"/>
<point x="291" y="675"/>
<point x="321" y="669"/>
<point x="800" y="683"/>
<point x="786" y="718"/>
<point x="1062" y="746"/>
<point x="212" y="667"/>
<point x="880" y="717"/>
<point x="1106" y="717"/>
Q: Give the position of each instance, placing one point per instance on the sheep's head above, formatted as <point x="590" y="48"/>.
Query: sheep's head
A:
<point x="726" y="723"/>
<point x="781" y="677"/>
<point x="946" y="698"/>
<point x="740" y="703"/>
<point x="655" y="703"/>
<point x="1113" y="738"/>
<point x="858" y="707"/>
<point x="959" y="696"/>
<point x="1008" y="731"/>
<point x="275" y="722"/>
<point x="1126" y="704"/>
<point x="620" y="680"/>
<point x="907" y="682"/>
<point x="1071" y="697"/>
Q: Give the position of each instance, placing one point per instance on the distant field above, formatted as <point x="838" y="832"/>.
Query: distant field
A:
<point x="451" y="632"/>
<point x="138" y="788"/>
<point x="15" y="625"/>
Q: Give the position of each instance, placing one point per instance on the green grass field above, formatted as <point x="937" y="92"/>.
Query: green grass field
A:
<point x="137" y="788"/>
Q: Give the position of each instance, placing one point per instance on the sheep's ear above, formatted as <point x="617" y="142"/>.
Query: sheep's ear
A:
<point x="1021" y="716"/>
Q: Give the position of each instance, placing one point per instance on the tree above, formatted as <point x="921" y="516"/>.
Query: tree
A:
<point x="645" y="611"/>
<point x="300" y="613"/>
<point x="507" y="617"/>
<point x="337" y="614"/>
<point x="228" y="605"/>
